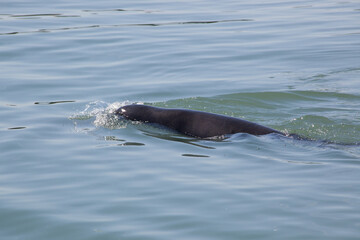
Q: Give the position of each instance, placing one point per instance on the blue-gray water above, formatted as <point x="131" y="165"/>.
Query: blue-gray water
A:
<point x="70" y="170"/>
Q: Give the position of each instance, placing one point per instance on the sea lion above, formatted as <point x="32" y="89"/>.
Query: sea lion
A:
<point x="193" y="123"/>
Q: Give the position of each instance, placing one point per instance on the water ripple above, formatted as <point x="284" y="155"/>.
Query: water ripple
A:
<point x="44" y="30"/>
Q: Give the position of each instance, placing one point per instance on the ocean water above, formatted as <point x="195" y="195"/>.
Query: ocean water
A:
<point x="70" y="169"/>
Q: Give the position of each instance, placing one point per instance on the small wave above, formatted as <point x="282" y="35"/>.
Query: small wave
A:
<point x="324" y="128"/>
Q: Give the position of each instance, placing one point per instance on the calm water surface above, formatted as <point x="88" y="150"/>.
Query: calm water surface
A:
<point x="71" y="170"/>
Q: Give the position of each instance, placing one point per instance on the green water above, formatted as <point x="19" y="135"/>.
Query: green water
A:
<point x="70" y="169"/>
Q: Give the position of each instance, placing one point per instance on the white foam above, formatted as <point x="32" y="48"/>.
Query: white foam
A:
<point x="102" y="113"/>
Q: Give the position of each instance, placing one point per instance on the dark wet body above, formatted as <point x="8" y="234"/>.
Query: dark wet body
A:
<point x="193" y="123"/>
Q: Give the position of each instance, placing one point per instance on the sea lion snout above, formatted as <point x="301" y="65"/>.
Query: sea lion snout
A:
<point x="132" y="112"/>
<point x="120" y="111"/>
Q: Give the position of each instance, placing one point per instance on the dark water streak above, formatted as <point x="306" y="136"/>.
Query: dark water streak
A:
<point x="127" y="25"/>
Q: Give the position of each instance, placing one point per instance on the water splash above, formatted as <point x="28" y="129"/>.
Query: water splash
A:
<point x="99" y="114"/>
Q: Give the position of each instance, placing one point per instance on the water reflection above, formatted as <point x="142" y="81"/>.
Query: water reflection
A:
<point x="177" y="138"/>
<point x="113" y="138"/>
